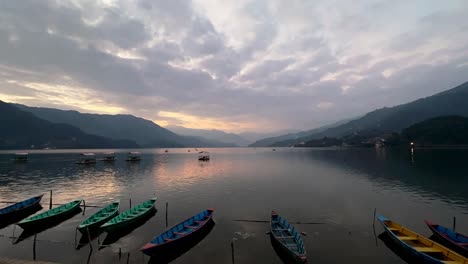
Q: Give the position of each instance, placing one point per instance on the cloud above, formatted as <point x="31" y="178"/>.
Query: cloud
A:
<point x="240" y="65"/>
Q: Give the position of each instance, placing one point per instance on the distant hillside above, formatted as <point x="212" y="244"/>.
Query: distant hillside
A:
<point x="145" y="132"/>
<point x="445" y="130"/>
<point x="212" y="134"/>
<point x="255" y="136"/>
<point x="394" y="119"/>
<point x="291" y="138"/>
<point x="23" y="130"/>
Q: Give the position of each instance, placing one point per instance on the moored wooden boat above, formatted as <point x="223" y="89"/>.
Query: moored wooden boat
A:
<point x="50" y="215"/>
<point x="87" y="158"/>
<point x="134" y="156"/>
<point x="287" y="238"/>
<point x="100" y="217"/>
<point x="129" y="216"/>
<point x="109" y="156"/>
<point x="418" y="246"/>
<point x="20" y="206"/>
<point x="456" y="241"/>
<point x="179" y="233"/>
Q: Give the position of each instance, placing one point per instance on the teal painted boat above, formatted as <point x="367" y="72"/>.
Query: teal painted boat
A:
<point x="130" y="216"/>
<point x="50" y="215"/>
<point x="100" y="217"/>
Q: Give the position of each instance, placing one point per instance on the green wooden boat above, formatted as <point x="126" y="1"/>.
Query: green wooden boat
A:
<point x="100" y="217"/>
<point x="130" y="216"/>
<point x="50" y="215"/>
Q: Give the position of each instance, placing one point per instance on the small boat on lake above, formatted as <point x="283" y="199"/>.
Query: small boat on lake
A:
<point x="19" y="207"/>
<point x="287" y="238"/>
<point x="456" y="241"/>
<point x="21" y="157"/>
<point x="87" y="158"/>
<point x="130" y="216"/>
<point x="50" y="215"/>
<point x="179" y="233"/>
<point x="133" y="156"/>
<point x="109" y="156"/>
<point x="204" y="156"/>
<point x="100" y="217"/>
<point x="419" y="247"/>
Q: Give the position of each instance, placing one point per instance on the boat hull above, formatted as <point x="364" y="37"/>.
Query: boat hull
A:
<point x="411" y="251"/>
<point x="444" y="239"/>
<point x="21" y="207"/>
<point x="51" y="219"/>
<point x="112" y="227"/>
<point x="275" y="223"/>
<point x="184" y="241"/>
<point x="94" y="226"/>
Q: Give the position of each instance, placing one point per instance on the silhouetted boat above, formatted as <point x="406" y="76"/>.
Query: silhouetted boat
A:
<point x="133" y="156"/>
<point x="50" y="215"/>
<point x="87" y="158"/>
<point x="419" y="247"/>
<point x="100" y="217"/>
<point x="287" y="238"/>
<point x="179" y="233"/>
<point x="456" y="241"/>
<point x="21" y="157"/>
<point x="109" y="156"/>
<point x="20" y="206"/>
<point x="129" y="216"/>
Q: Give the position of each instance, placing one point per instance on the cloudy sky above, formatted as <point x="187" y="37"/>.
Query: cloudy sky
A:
<point x="258" y="65"/>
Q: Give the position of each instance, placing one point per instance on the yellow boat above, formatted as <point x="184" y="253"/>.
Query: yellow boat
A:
<point x="418" y="246"/>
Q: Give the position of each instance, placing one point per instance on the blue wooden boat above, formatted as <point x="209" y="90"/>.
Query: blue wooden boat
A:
<point x="20" y="207"/>
<point x="179" y="233"/>
<point x="456" y="241"/>
<point x="419" y="247"/>
<point x="289" y="241"/>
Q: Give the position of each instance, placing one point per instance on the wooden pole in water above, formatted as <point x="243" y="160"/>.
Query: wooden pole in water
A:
<point x="34" y="247"/>
<point x="130" y="201"/>
<point x="373" y="222"/>
<point x="454" y="223"/>
<point x="89" y="238"/>
<point x="167" y="205"/>
<point x="50" y="200"/>
<point x="232" y="251"/>
<point x="84" y="207"/>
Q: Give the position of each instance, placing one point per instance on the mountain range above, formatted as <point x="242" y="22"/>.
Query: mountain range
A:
<point x="387" y="119"/>
<point x="144" y="132"/>
<point x="23" y="130"/>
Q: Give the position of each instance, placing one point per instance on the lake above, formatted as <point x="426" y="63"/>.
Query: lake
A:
<point x="337" y="189"/>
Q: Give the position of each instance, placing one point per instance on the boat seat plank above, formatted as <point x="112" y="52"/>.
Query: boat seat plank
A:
<point x="281" y="229"/>
<point x="179" y="233"/>
<point x="450" y="262"/>
<point x="393" y="229"/>
<point x="190" y="226"/>
<point x="407" y="238"/>
<point x="198" y="222"/>
<point x="427" y="249"/>
<point x="168" y="239"/>
<point x="285" y="237"/>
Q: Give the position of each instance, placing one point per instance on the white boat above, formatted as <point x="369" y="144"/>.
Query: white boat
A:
<point x="133" y="156"/>
<point x="21" y="157"/>
<point x="109" y="156"/>
<point x="87" y="158"/>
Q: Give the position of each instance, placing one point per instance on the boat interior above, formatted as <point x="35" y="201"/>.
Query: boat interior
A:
<point x="286" y="234"/>
<point x="423" y="245"/>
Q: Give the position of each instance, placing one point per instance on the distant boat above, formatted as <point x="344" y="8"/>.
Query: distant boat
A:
<point x="87" y="158"/>
<point x="166" y="151"/>
<point x="456" y="241"/>
<point x="179" y="233"/>
<point x="19" y="207"/>
<point x="130" y="216"/>
<point x="418" y="246"/>
<point x="50" y="215"/>
<point x="21" y="157"/>
<point x="274" y="149"/>
<point x="109" y="156"/>
<point x="100" y="217"/>
<point x="204" y="157"/>
<point x="133" y="156"/>
<point x="287" y="238"/>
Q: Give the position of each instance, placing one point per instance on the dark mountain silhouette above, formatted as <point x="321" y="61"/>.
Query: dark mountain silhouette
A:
<point x="145" y="132"/>
<point x="395" y="119"/>
<point x="23" y="130"/>
<point x="444" y="130"/>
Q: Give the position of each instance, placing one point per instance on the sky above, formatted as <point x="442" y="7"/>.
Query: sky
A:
<point x="242" y="65"/>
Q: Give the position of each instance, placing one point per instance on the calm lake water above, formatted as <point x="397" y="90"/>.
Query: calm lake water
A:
<point x="337" y="187"/>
